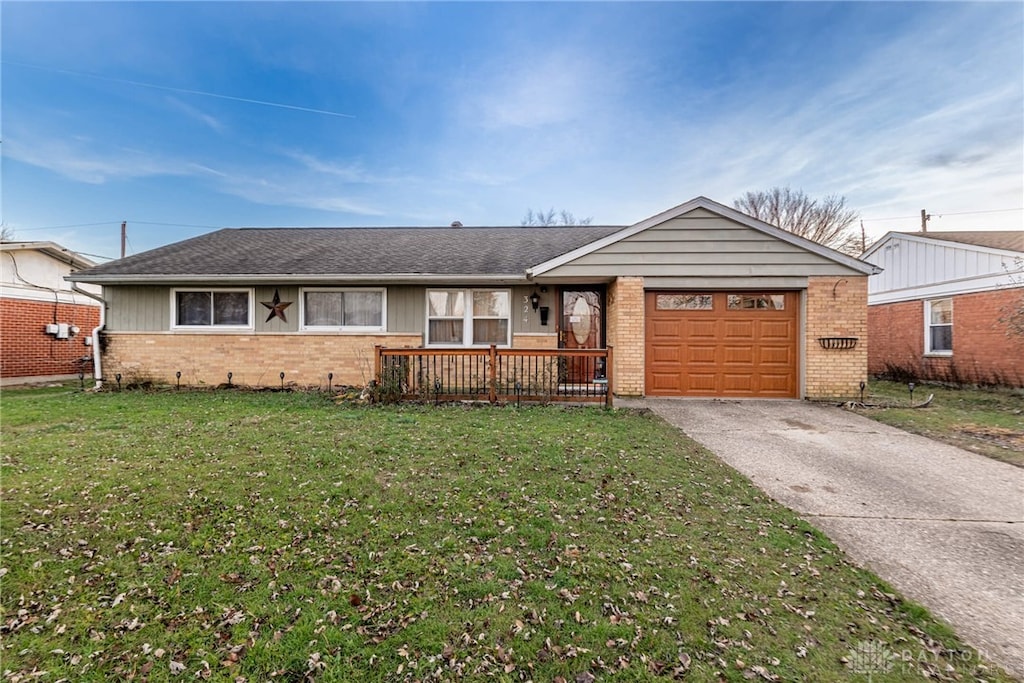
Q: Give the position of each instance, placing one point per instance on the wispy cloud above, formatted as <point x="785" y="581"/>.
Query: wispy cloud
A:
<point x="79" y="158"/>
<point x="543" y="89"/>
<point x="192" y="112"/>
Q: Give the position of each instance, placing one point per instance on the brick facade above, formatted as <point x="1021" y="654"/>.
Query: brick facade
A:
<point x="26" y="350"/>
<point x="836" y="307"/>
<point x="254" y="360"/>
<point x="984" y="352"/>
<point x="535" y="341"/>
<point x="625" y="332"/>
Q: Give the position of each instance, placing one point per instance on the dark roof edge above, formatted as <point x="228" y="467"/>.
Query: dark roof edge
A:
<point x="311" y="278"/>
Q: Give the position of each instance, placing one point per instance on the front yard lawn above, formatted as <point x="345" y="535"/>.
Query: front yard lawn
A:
<point x="985" y="421"/>
<point x="275" y="536"/>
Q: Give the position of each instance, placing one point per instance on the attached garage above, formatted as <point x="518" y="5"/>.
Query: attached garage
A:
<point x="703" y="300"/>
<point x="730" y="344"/>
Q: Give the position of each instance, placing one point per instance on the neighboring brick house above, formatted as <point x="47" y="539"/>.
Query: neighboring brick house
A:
<point x="700" y="300"/>
<point x="45" y="327"/>
<point x="948" y="306"/>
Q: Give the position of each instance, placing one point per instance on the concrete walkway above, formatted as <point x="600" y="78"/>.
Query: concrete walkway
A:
<point x="942" y="525"/>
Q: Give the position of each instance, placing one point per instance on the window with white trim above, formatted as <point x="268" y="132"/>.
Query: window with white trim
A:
<point x="343" y="309"/>
<point x="469" y="317"/>
<point x="226" y="308"/>
<point x="938" y="327"/>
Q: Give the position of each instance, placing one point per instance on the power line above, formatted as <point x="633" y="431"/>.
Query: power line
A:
<point x="62" y="227"/>
<point x="940" y="215"/>
<point x="85" y="253"/>
<point x="116" y="222"/>
<point x="179" y="225"/>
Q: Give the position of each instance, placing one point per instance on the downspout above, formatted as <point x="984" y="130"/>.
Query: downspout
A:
<point x="97" y="364"/>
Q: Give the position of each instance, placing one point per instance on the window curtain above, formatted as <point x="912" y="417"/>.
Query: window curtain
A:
<point x="362" y="309"/>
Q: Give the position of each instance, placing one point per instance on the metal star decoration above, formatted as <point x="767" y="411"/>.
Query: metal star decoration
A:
<point x="276" y="307"/>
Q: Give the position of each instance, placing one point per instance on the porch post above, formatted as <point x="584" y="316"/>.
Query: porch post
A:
<point x="608" y="374"/>
<point x="377" y="363"/>
<point x="493" y="394"/>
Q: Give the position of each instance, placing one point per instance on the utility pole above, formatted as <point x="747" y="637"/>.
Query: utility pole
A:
<point x="925" y="217"/>
<point x="124" y="235"/>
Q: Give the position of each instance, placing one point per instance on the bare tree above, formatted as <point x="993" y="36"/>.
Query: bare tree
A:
<point x="1011" y="313"/>
<point x="6" y="233"/>
<point x="826" y="221"/>
<point x="552" y="217"/>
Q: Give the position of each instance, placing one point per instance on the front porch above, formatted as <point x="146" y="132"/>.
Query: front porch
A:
<point x="495" y="375"/>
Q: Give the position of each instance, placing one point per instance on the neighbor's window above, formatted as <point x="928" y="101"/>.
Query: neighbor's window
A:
<point x="343" y="309"/>
<point x="212" y="308"/>
<point x="770" y="302"/>
<point x="683" y="302"/>
<point x="938" y="333"/>
<point x="469" y="317"/>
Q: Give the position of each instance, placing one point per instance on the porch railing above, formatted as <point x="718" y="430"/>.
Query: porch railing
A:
<point x="495" y="375"/>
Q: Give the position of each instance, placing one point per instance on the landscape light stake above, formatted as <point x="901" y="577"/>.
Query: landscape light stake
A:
<point x="910" y="385"/>
<point x="177" y="379"/>
<point x="282" y="381"/>
<point x="437" y="391"/>
<point x="862" y="386"/>
<point x="330" y="379"/>
<point x="229" y="379"/>
<point x="81" y="380"/>
<point x="519" y="393"/>
<point x="118" y="378"/>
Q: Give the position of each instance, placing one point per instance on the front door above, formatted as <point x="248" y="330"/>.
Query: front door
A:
<point x="581" y="326"/>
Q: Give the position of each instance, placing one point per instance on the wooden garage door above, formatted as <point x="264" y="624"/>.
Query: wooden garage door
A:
<point x="740" y="344"/>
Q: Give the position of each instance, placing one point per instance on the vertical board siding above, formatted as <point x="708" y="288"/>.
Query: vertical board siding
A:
<point x="909" y="263"/>
<point x="407" y="310"/>
<point x="138" y="308"/>
<point x="134" y="308"/>
<point x="292" y="313"/>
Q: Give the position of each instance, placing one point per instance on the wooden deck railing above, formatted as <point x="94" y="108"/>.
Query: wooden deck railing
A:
<point x="495" y="375"/>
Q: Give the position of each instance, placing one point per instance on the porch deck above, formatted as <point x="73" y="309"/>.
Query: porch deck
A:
<point x="495" y="375"/>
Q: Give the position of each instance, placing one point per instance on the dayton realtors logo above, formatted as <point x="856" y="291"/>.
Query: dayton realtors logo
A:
<point x="872" y="657"/>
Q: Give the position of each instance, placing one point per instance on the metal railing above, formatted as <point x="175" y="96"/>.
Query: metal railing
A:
<point x="495" y="375"/>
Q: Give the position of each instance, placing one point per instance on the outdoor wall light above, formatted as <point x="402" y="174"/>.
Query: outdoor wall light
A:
<point x="544" y="310"/>
<point x="535" y="300"/>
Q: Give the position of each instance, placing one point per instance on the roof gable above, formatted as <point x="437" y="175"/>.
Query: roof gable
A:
<point x="51" y="249"/>
<point x="697" y="208"/>
<point x="920" y="266"/>
<point x="984" y="241"/>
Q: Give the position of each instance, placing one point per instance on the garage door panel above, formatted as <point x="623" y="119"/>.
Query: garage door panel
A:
<point x="775" y="355"/>
<point x="664" y="381"/>
<point x="779" y="384"/>
<point x="738" y="382"/>
<point x="665" y="329"/>
<point x="701" y="329"/>
<point x="776" y="329"/>
<point x="738" y="355"/>
<point x="698" y="354"/>
<point x="742" y="352"/>
<point x="702" y="383"/>
<point x="738" y="329"/>
<point x="664" y="353"/>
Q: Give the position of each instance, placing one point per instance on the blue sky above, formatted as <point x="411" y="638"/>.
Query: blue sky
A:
<point x="184" y="117"/>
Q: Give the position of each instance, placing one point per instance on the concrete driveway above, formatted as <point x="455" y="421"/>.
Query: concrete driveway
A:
<point x="944" y="526"/>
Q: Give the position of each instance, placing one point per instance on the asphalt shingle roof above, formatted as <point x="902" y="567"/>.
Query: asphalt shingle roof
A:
<point x="1009" y="240"/>
<point x="355" y="251"/>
